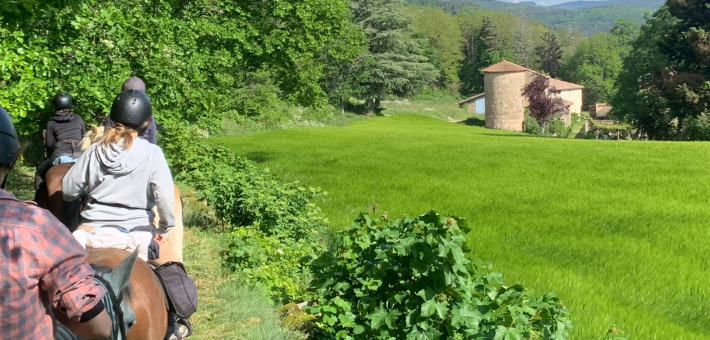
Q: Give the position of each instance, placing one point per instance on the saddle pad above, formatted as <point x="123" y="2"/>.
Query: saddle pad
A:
<point x="120" y="239"/>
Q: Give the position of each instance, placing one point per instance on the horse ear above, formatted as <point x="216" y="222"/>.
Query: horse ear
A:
<point x="121" y="275"/>
<point x="94" y="130"/>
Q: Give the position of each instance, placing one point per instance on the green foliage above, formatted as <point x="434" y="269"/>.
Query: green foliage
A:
<point x="445" y="35"/>
<point x="588" y="20"/>
<point x="277" y="262"/>
<point x="638" y="100"/>
<point x="557" y="128"/>
<point x="409" y="278"/>
<point x="596" y="65"/>
<point x="25" y="65"/>
<point x="276" y="224"/>
<point x="394" y="62"/>
<point x="201" y="60"/>
<point x="531" y="126"/>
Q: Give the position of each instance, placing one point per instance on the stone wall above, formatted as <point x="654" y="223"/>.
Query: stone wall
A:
<point x="504" y="100"/>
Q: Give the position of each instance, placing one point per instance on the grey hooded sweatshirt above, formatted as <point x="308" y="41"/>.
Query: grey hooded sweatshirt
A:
<point x="123" y="186"/>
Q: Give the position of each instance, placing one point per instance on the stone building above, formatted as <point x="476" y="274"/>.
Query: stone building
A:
<point x="504" y="101"/>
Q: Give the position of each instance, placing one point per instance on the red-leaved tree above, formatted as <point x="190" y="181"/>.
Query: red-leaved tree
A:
<point x="542" y="106"/>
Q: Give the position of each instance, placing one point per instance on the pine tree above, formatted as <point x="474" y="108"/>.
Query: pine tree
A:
<point x="395" y="61"/>
<point x="487" y="50"/>
<point x="523" y="43"/>
<point x="550" y="54"/>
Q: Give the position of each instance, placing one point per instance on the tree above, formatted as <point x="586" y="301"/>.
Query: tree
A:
<point x="394" y="62"/>
<point x="542" y="106"/>
<point x="595" y="64"/>
<point x="638" y="99"/>
<point x="523" y="43"/>
<point x="625" y="32"/>
<point x="686" y="79"/>
<point x="550" y="54"/>
<point x="445" y="36"/>
<point x="488" y="48"/>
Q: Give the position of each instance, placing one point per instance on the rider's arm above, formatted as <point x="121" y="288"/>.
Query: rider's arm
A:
<point x="153" y="132"/>
<point x="164" y="190"/>
<point x="76" y="179"/>
<point x="49" y="139"/>
<point x="83" y="127"/>
<point x="69" y="283"/>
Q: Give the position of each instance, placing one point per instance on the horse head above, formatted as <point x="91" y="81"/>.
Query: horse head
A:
<point x="119" y="281"/>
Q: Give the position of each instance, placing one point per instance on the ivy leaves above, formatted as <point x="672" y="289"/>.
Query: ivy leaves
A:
<point x="410" y="279"/>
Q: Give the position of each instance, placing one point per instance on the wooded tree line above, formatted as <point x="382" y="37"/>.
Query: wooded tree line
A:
<point x="205" y="60"/>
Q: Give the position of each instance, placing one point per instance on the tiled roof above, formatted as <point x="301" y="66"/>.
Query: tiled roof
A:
<point x="563" y="85"/>
<point x="504" y="67"/>
<point x="469" y="99"/>
<point x="568" y="103"/>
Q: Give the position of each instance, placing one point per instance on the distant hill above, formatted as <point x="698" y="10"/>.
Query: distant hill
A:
<point x="589" y="21"/>
<point x="578" y="5"/>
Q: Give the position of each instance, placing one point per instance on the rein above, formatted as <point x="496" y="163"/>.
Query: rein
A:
<point x="119" y="331"/>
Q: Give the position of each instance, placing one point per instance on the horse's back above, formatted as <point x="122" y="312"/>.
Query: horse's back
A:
<point x="147" y="298"/>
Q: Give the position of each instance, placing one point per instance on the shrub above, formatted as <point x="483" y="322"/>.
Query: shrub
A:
<point x="410" y="278"/>
<point x="281" y="223"/>
<point x="558" y="128"/>
<point x="279" y="263"/>
<point x="531" y="126"/>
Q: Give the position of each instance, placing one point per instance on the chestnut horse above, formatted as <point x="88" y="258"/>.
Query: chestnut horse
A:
<point x="133" y="283"/>
<point x="147" y="299"/>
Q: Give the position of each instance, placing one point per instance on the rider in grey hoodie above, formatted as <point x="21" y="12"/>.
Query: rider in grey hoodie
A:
<point x="115" y="179"/>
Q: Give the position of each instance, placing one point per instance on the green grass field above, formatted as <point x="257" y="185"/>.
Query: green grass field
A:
<point x="618" y="230"/>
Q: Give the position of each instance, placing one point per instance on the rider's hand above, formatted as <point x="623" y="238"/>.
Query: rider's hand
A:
<point x="159" y="239"/>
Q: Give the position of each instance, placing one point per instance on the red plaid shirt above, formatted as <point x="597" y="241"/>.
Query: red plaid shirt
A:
<point x="41" y="264"/>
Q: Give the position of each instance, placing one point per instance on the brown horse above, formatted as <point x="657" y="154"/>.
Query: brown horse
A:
<point x="146" y="294"/>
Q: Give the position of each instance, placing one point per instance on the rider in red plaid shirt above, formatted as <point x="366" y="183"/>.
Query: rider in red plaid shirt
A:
<point x="42" y="267"/>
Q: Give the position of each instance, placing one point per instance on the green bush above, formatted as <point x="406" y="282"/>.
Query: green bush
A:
<point x="281" y="223"/>
<point x="279" y="263"/>
<point x="558" y="128"/>
<point x="410" y="279"/>
<point x="531" y="126"/>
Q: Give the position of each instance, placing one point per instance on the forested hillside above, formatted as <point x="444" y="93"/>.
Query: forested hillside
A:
<point x="587" y="20"/>
<point x="651" y="4"/>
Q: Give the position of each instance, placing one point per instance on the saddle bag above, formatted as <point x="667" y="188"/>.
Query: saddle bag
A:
<point x="181" y="291"/>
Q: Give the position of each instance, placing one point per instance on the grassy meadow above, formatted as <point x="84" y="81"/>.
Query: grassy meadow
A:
<point x="618" y="230"/>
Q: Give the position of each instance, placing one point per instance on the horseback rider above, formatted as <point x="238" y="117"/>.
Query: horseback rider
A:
<point x="124" y="177"/>
<point x="175" y="237"/>
<point x="64" y="133"/>
<point x="151" y="133"/>
<point x="42" y="267"/>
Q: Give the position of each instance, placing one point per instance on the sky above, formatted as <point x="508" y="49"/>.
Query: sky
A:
<point x="542" y="2"/>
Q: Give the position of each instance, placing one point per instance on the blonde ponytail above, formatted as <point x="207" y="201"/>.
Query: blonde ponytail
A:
<point x="115" y="134"/>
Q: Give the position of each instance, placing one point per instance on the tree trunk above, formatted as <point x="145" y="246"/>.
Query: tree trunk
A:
<point x="369" y="107"/>
<point x="342" y="106"/>
<point x="681" y="126"/>
<point x="377" y="105"/>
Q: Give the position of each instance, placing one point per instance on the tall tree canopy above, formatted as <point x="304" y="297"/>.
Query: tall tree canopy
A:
<point x="395" y="62"/>
<point x="197" y="57"/>
<point x="445" y="35"/>
<point x="549" y="54"/>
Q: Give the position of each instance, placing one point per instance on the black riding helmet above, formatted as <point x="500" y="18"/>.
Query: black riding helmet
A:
<point x="62" y="101"/>
<point x="131" y="108"/>
<point x="9" y="142"/>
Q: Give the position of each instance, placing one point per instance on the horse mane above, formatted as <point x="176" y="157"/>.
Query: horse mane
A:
<point x="92" y="136"/>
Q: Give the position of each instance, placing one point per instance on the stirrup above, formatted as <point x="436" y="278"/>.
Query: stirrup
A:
<point x="182" y="329"/>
